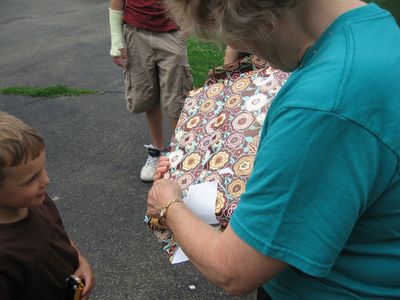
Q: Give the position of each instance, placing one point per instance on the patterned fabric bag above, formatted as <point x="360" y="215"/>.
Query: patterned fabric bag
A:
<point x="233" y="70"/>
<point x="218" y="130"/>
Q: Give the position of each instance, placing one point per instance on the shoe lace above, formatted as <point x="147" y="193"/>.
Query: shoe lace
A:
<point x="151" y="161"/>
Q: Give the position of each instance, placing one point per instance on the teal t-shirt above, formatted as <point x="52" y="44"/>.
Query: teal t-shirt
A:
<point x="324" y="195"/>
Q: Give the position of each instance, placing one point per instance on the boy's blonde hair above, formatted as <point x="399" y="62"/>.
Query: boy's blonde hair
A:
<point x="18" y="143"/>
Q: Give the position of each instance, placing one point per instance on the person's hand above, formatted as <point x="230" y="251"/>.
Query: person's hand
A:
<point x="162" y="167"/>
<point x="84" y="272"/>
<point x="122" y="60"/>
<point x="162" y="191"/>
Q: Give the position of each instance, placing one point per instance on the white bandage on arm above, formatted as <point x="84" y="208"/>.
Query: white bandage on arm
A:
<point x="116" y="32"/>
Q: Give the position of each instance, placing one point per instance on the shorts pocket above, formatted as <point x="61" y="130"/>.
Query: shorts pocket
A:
<point x="127" y="79"/>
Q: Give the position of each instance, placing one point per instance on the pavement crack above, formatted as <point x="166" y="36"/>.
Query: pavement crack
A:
<point x="19" y="19"/>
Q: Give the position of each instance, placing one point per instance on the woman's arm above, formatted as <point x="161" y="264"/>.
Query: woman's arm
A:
<point x="222" y="257"/>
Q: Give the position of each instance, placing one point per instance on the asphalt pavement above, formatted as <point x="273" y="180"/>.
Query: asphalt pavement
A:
<point x="94" y="146"/>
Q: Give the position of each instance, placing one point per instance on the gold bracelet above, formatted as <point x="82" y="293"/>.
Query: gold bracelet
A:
<point x="163" y="211"/>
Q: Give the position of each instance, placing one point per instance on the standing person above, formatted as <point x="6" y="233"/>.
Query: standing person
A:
<point x="36" y="255"/>
<point x="320" y="215"/>
<point x="152" y="52"/>
<point x="231" y="55"/>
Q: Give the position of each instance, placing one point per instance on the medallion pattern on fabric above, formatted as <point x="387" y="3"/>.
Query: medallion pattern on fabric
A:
<point x="217" y="136"/>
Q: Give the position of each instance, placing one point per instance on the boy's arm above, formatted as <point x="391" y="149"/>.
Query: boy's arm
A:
<point x="84" y="271"/>
<point x="117" y="51"/>
<point x="230" y="55"/>
<point x="117" y="4"/>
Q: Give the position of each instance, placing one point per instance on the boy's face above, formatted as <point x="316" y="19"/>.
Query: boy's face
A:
<point x="24" y="185"/>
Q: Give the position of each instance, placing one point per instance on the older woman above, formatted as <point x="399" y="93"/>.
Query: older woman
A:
<point x="320" y="218"/>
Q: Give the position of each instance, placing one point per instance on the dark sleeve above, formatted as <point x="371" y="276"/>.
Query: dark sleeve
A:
<point x="7" y="288"/>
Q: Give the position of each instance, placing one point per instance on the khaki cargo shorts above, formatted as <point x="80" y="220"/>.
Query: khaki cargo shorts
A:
<point x="158" y="72"/>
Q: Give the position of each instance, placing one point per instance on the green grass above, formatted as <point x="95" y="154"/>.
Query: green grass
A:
<point x="202" y="57"/>
<point x="49" y="91"/>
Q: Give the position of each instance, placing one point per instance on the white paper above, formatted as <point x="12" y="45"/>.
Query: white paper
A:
<point x="179" y="256"/>
<point x="200" y="200"/>
<point x="226" y="171"/>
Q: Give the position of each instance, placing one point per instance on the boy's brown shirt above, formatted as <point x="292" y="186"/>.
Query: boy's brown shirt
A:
<point x="36" y="255"/>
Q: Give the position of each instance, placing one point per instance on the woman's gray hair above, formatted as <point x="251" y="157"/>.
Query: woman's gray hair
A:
<point x="230" y="20"/>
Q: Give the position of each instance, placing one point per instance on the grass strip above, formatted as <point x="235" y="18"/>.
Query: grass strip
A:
<point x="49" y="91"/>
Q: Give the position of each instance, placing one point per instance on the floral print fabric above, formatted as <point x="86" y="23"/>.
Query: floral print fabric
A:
<point x="233" y="70"/>
<point x="217" y="136"/>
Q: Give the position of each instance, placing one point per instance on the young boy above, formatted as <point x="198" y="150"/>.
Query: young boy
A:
<point x="36" y="255"/>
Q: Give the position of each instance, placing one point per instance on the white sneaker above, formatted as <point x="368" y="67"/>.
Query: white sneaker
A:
<point x="149" y="169"/>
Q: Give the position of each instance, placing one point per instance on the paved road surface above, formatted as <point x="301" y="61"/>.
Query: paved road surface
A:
<point x="94" y="146"/>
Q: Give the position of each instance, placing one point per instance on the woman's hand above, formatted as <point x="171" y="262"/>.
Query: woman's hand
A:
<point x="162" y="168"/>
<point x="163" y="191"/>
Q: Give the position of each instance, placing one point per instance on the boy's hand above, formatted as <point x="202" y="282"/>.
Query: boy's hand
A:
<point x="84" y="272"/>
<point x="121" y="60"/>
<point x="162" y="168"/>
